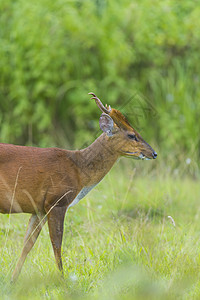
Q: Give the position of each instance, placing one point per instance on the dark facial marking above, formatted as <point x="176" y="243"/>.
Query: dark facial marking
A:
<point x="132" y="137"/>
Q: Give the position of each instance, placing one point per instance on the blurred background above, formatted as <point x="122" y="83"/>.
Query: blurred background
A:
<point x="138" y="56"/>
<point x="137" y="236"/>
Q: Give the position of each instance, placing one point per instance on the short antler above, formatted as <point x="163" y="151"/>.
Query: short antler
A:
<point x="51" y="180"/>
<point x="100" y="104"/>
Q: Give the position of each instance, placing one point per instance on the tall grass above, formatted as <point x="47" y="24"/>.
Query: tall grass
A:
<point x="119" y="243"/>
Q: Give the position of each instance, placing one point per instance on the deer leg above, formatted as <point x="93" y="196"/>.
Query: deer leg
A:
<point x="55" y="223"/>
<point x="33" y="230"/>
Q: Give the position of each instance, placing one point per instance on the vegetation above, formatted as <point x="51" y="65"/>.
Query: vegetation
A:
<point x="141" y="57"/>
<point x="119" y="243"/>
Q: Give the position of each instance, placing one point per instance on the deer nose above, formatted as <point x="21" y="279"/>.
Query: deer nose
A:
<point x="154" y="155"/>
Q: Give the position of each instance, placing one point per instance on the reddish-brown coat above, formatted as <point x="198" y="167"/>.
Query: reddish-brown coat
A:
<point x="45" y="181"/>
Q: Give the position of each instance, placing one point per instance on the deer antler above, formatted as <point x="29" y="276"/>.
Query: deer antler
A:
<point x="100" y="104"/>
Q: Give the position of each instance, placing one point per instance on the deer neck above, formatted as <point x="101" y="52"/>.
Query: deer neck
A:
<point x="95" y="161"/>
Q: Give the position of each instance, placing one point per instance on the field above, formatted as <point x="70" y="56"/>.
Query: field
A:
<point x="119" y="242"/>
<point x="136" y="235"/>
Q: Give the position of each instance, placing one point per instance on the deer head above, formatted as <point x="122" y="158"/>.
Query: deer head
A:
<point x="126" y="140"/>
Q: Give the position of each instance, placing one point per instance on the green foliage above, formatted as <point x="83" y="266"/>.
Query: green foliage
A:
<point x="54" y="52"/>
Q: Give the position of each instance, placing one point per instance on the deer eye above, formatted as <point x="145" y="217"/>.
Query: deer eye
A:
<point x="132" y="137"/>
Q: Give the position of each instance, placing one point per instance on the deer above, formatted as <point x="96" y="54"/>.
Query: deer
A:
<point x="46" y="182"/>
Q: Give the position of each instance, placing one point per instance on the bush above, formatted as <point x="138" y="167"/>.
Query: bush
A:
<point x="142" y="56"/>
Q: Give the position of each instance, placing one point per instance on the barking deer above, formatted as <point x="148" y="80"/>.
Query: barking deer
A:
<point x="45" y="182"/>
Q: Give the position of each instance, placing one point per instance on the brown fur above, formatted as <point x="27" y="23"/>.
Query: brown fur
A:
<point x="44" y="181"/>
<point x="120" y="120"/>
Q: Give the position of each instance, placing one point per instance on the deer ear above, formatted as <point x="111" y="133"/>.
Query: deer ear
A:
<point x="106" y="124"/>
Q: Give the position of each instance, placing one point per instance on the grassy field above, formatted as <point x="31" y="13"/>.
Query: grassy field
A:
<point x="119" y="242"/>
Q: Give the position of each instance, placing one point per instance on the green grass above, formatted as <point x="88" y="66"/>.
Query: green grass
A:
<point x="118" y="243"/>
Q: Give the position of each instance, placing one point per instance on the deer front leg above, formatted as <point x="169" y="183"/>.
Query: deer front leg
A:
<point x="33" y="230"/>
<point x="55" y="223"/>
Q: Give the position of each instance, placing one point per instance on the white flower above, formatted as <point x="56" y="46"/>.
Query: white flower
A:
<point x="73" y="277"/>
<point x="188" y="161"/>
